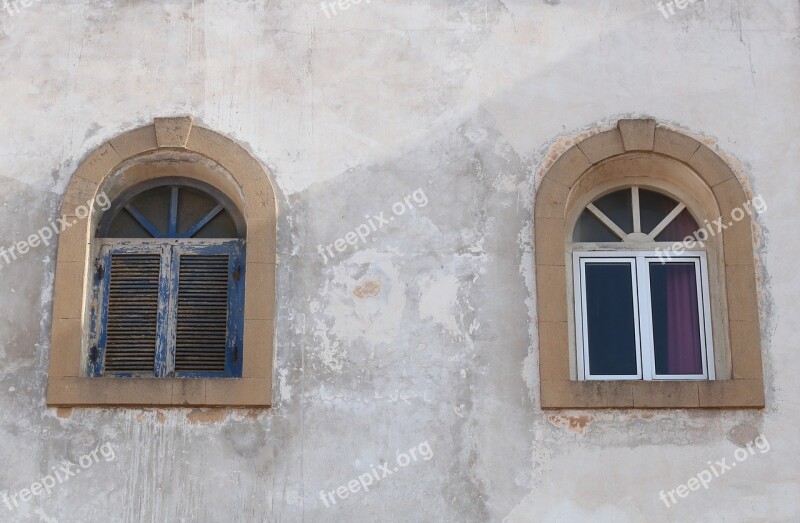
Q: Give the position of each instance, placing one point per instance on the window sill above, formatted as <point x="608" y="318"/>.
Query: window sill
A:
<point x="158" y="392"/>
<point x="723" y="394"/>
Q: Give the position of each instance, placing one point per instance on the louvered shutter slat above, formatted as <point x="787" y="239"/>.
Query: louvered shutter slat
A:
<point x="132" y="313"/>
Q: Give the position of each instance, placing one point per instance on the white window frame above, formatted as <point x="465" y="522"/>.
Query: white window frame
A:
<point x="640" y="262"/>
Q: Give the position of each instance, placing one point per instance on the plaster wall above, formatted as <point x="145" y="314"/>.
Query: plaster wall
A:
<point x="426" y="333"/>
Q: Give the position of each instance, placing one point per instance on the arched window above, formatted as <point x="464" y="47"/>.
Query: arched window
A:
<point x="169" y="289"/>
<point x="149" y="290"/>
<point x="642" y="312"/>
<point x="645" y="282"/>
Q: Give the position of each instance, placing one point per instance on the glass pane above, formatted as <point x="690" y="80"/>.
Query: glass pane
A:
<point x="192" y="207"/>
<point x="610" y="319"/>
<point x="618" y="206"/>
<point x="154" y="205"/>
<point x="221" y="226"/>
<point x="682" y="226"/>
<point x="590" y="229"/>
<point x="676" y="322"/>
<point x="124" y="226"/>
<point x="653" y="208"/>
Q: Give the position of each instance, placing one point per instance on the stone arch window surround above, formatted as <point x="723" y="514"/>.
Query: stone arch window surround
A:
<point x="171" y="147"/>
<point x="638" y="152"/>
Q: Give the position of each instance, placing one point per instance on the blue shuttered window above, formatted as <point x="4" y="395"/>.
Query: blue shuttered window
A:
<point x="169" y="284"/>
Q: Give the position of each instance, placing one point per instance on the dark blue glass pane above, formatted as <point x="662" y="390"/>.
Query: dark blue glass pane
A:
<point x="610" y="319"/>
<point x="618" y="206"/>
<point x="653" y="208"/>
<point x="590" y="229"/>
<point x="676" y="322"/>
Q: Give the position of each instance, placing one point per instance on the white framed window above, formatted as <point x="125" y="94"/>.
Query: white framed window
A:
<point x="639" y="316"/>
<point x="642" y="311"/>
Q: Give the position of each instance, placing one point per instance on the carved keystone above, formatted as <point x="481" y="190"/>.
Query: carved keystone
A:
<point x="637" y="135"/>
<point x="173" y="132"/>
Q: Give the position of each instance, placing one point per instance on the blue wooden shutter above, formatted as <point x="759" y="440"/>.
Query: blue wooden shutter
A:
<point x="209" y="283"/>
<point x="168" y="310"/>
<point x="131" y="287"/>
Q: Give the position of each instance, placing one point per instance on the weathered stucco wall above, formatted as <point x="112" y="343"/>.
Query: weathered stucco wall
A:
<point x="426" y="333"/>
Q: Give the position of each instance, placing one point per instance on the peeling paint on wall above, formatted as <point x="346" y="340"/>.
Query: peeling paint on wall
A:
<point x="427" y="332"/>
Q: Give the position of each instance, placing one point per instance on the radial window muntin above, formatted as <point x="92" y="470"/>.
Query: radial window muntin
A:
<point x="125" y="206"/>
<point x="628" y="235"/>
<point x="633" y="231"/>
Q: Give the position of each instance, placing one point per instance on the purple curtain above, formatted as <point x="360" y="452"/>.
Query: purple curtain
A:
<point x="683" y="354"/>
<point x="682" y="226"/>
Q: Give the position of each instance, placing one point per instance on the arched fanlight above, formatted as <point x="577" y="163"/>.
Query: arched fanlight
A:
<point x="634" y="215"/>
<point x="172" y="208"/>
